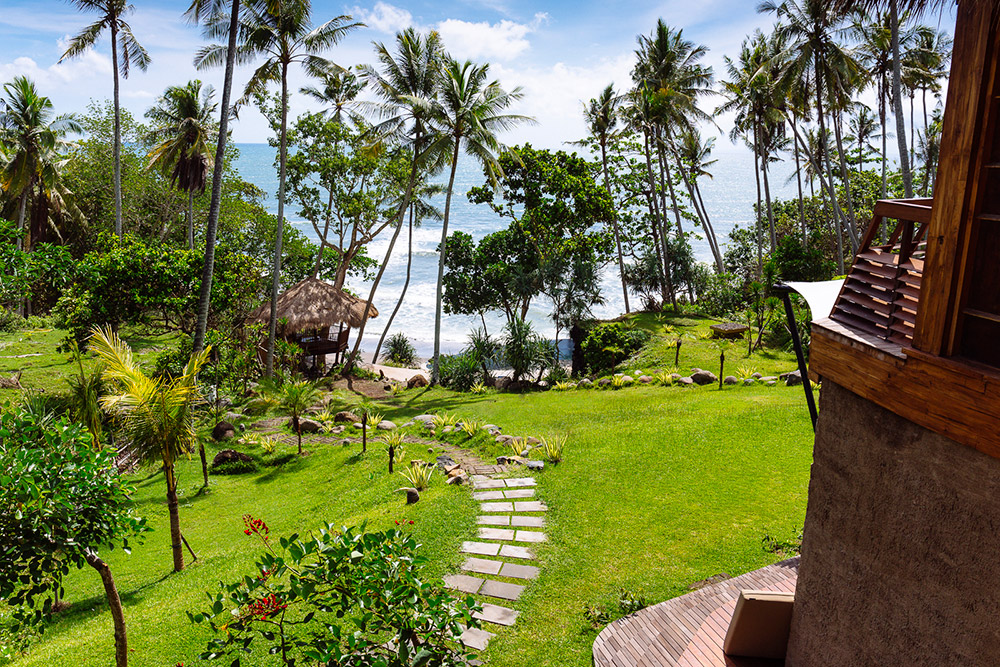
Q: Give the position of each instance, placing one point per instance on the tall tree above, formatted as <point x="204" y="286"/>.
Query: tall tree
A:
<point x="468" y="114"/>
<point x="156" y="418"/>
<point x="601" y="114"/>
<point x="284" y="34"/>
<point x="337" y="92"/>
<point x="213" y="12"/>
<point x="183" y="127"/>
<point x="126" y="51"/>
<point x="407" y="85"/>
<point x="34" y="139"/>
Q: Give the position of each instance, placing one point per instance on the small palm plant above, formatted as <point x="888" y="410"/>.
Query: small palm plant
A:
<point x="85" y="396"/>
<point x="418" y="475"/>
<point x="745" y="371"/>
<point x="394" y="445"/>
<point x="443" y="420"/>
<point x="471" y="427"/>
<point x="478" y="389"/>
<point x="295" y="398"/>
<point x="618" y="381"/>
<point x="517" y="445"/>
<point x="155" y="416"/>
<point x="563" y="386"/>
<point x="664" y="379"/>
<point x="554" y="448"/>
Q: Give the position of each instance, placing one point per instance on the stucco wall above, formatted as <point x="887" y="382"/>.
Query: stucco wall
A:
<point x="901" y="551"/>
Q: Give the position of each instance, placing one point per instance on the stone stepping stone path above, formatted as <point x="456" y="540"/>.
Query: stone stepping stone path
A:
<point x="509" y="519"/>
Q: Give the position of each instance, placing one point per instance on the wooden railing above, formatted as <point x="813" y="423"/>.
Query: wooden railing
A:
<point x="881" y="294"/>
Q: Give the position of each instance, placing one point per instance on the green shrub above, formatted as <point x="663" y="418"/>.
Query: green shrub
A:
<point x="9" y="321"/>
<point x="459" y="372"/>
<point x="524" y="350"/>
<point x="723" y="296"/>
<point x="610" y="343"/>
<point x="399" y="350"/>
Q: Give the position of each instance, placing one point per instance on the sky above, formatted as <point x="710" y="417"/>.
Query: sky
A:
<point x="561" y="53"/>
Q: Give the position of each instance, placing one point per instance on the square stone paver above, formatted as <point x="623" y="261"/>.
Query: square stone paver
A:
<point x="524" y="506"/>
<point x="476" y="638"/>
<point x="499" y="589"/>
<point x="510" y="551"/>
<point x="500" y="520"/>
<point x="518" y="493"/>
<point x="482" y="566"/>
<point x="463" y="582"/>
<point x="481" y="548"/>
<point x="489" y="495"/>
<point x="515" y="571"/>
<point x="494" y="613"/>
<point x="523" y="521"/>
<point x="529" y="536"/>
<point x="497" y="534"/>
<point x="488" y="484"/>
<point x="500" y="507"/>
<point x="518" y="481"/>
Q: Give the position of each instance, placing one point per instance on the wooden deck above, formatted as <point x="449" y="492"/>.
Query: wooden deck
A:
<point x="688" y="630"/>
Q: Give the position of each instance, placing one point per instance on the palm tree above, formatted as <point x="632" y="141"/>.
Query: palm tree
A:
<point x="601" y="115"/>
<point x="285" y="35"/>
<point x="862" y="126"/>
<point x="406" y="83"/>
<point x="183" y="127"/>
<point x="420" y="209"/>
<point x="295" y="398"/>
<point x="694" y="154"/>
<point x="338" y="92"/>
<point x="213" y="11"/>
<point x="35" y="140"/>
<point x="156" y="417"/>
<point x="874" y="35"/>
<point x="126" y="51"/>
<point x="468" y="114"/>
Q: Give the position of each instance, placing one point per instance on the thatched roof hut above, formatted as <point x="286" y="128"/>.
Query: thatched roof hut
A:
<point x="314" y="304"/>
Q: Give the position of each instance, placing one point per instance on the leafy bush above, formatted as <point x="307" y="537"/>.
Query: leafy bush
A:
<point x="630" y="601"/>
<point x="723" y="295"/>
<point x="339" y="597"/>
<point x="9" y="321"/>
<point x="793" y="262"/>
<point x="523" y="350"/>
<point x="234" y="468"/>
<point x="418" y="475"/>
<point x="399" y="350"/>
<point x="610" y="343"/>
<point x="459" y="372"/>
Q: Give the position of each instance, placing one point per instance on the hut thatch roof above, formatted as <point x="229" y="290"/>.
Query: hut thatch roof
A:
<point x="315" y="304"/>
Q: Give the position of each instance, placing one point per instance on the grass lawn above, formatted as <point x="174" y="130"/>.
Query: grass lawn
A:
<point x="661" y="487"/>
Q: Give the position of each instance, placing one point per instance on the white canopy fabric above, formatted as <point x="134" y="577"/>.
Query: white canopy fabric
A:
<point x="820" y="296"/>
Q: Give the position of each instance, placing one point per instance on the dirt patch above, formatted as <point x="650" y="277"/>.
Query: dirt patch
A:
<point x="369" y="388"/>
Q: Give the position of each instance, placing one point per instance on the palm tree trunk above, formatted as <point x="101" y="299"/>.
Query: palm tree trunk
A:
<point x="798" y="180"/>
<point x="22" y="209"/>
<point x="691" y="183"/>
<point x="118" y="133"/>
<point x="212" y="226"/>
<point x="759" y="222"/>
<point x="190" y="220"/>
<point x="852" y="224"/>
<point x="827" y="171"/>
<point x="176" y="546"/>
<point x="436" y="371"/>
<point x="115" y="604"/>
<point x="614" y="221"/>
<point x="822" y="181"/>
<point x="913" y="143"/>
<point x="410" y="185"/>
<point x="927" y="168"/>
<point x="710" y="231"/>
<point x="204" y="458"/>
<point x="885" y="148"/>
<point x="767" y="202"/>
<point x="402" y="294"/>
<point x="897" y="101"/>
<point x="272" y="327"/>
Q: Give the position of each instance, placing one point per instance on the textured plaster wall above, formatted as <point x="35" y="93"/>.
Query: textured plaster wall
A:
<point x="901" y="551"/>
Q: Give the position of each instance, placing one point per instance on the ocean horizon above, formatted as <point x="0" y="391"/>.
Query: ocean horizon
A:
<point x="729" y="199"/>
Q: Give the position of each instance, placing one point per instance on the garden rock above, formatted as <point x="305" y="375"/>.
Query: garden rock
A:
<point x="685" y="381"/>
<point x="645" y="379"/>
<point x="424" y="418"/>
<point x="729" y="379"/>
<point x="585" y="382"/>
<point x="627" y="379"/>
<point x="345" y="442"/>
<point x="307" y="426"/>
<point x="223" y="431"/>
<point x="792" y="379"/>
<point x="756" y="376"/>
<point x="503" y="383"/>
<point x="771" y="383"/>
<point x="535" y="465"/>
<point x="533" y="441"/>
<point x="604" y="382"/>
<point x="386" y="425"/>
<point x="417" y="381"/>
<point x="675" y="377"/>
<point x="230" y="456"/>
<point x="704" y="377"/>
<point x="748" y="381"/>
<point x="346" y="417"/>
<point x="492" y="427"/>
<point x="412" y="495"/>
<point x="458" y="479"/>
<point x="446" y="463"/>
<point x="504" y="439"/>
<point x="543" y="385"/>
<point x="769" y="378"/>
<point x="233" y="416"/>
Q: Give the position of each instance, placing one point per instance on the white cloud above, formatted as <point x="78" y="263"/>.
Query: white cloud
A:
<point x="384" y="18"/>
<point x="499" y="41"/>
<point x="87" y="67"/>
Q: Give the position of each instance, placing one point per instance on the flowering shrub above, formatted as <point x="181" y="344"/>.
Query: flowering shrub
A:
<point x="347" y="597"/>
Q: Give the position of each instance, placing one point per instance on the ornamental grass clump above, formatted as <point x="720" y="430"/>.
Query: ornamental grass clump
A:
<point x="478" y="389"/>
<point x="664" y="379"/>
<point x="554" y="448"/>
<point x="443" y="420"/>
<point x="517" y="445"/>
<point x="418" y="475"/>
<point x="563" y="386"/>
<point x="618" y="381"/>
<point x="394" y="446"/>
<point x="471" y="427"/>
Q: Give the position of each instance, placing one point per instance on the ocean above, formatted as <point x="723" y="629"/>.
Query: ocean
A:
<point x="729" y="198"/>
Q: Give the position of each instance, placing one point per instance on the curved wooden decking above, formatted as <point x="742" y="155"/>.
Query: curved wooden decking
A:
<point x="688" y="630"/>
